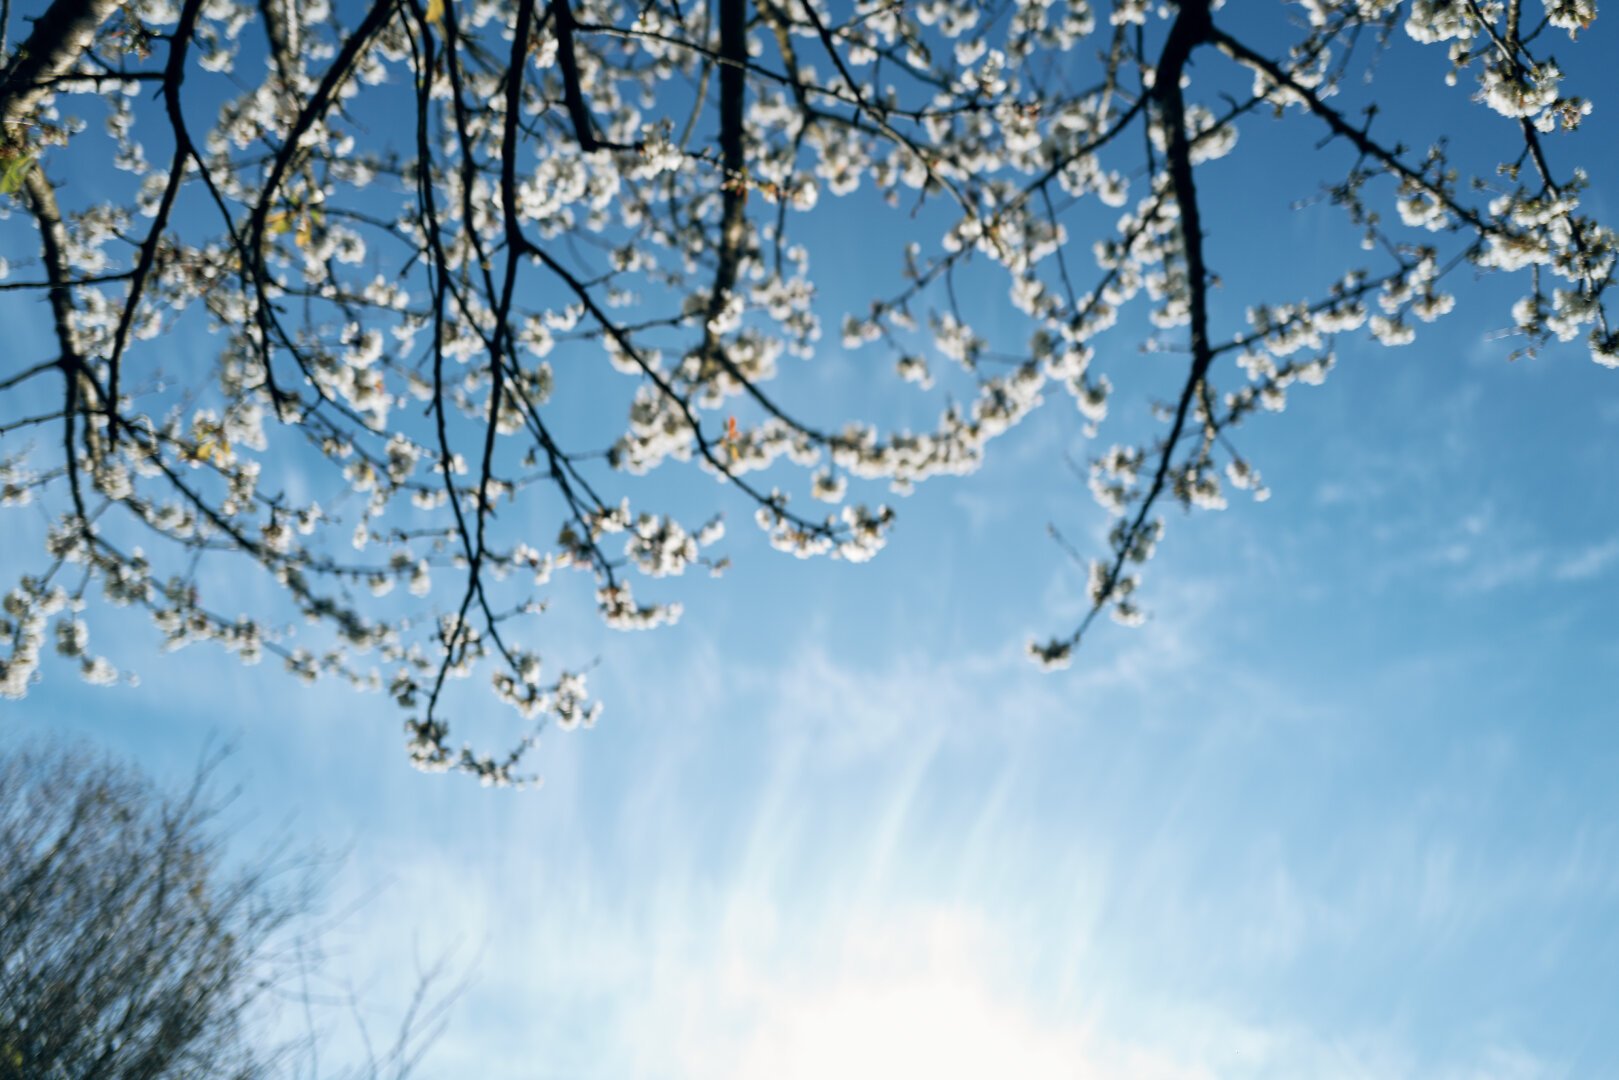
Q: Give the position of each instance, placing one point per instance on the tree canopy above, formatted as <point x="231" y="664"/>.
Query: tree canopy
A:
<point x="125" y="949"/>
<point x="131" y="946"/>
<point x="447" y="277"/>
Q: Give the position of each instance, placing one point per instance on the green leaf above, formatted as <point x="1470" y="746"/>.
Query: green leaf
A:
<point x="13" y="171"/>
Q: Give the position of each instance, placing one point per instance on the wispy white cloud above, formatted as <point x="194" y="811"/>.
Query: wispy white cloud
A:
<point x="1588" y="562"/>
<point x="906" y="884"/>
<point x="779" y="869"/>
<point x="1494" y="569"/>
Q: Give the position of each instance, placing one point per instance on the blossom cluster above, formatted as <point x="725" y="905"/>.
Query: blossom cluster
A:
<point x="472" y="268"/>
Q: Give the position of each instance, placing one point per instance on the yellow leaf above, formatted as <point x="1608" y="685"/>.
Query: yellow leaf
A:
<point x="278" y="223"/>
<point x="211" y="446"/>
<point x="435" y="11"/>
<point x="214" y="451"/>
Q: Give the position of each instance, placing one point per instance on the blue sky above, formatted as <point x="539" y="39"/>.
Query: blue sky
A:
<point x="1343" y="807"/>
